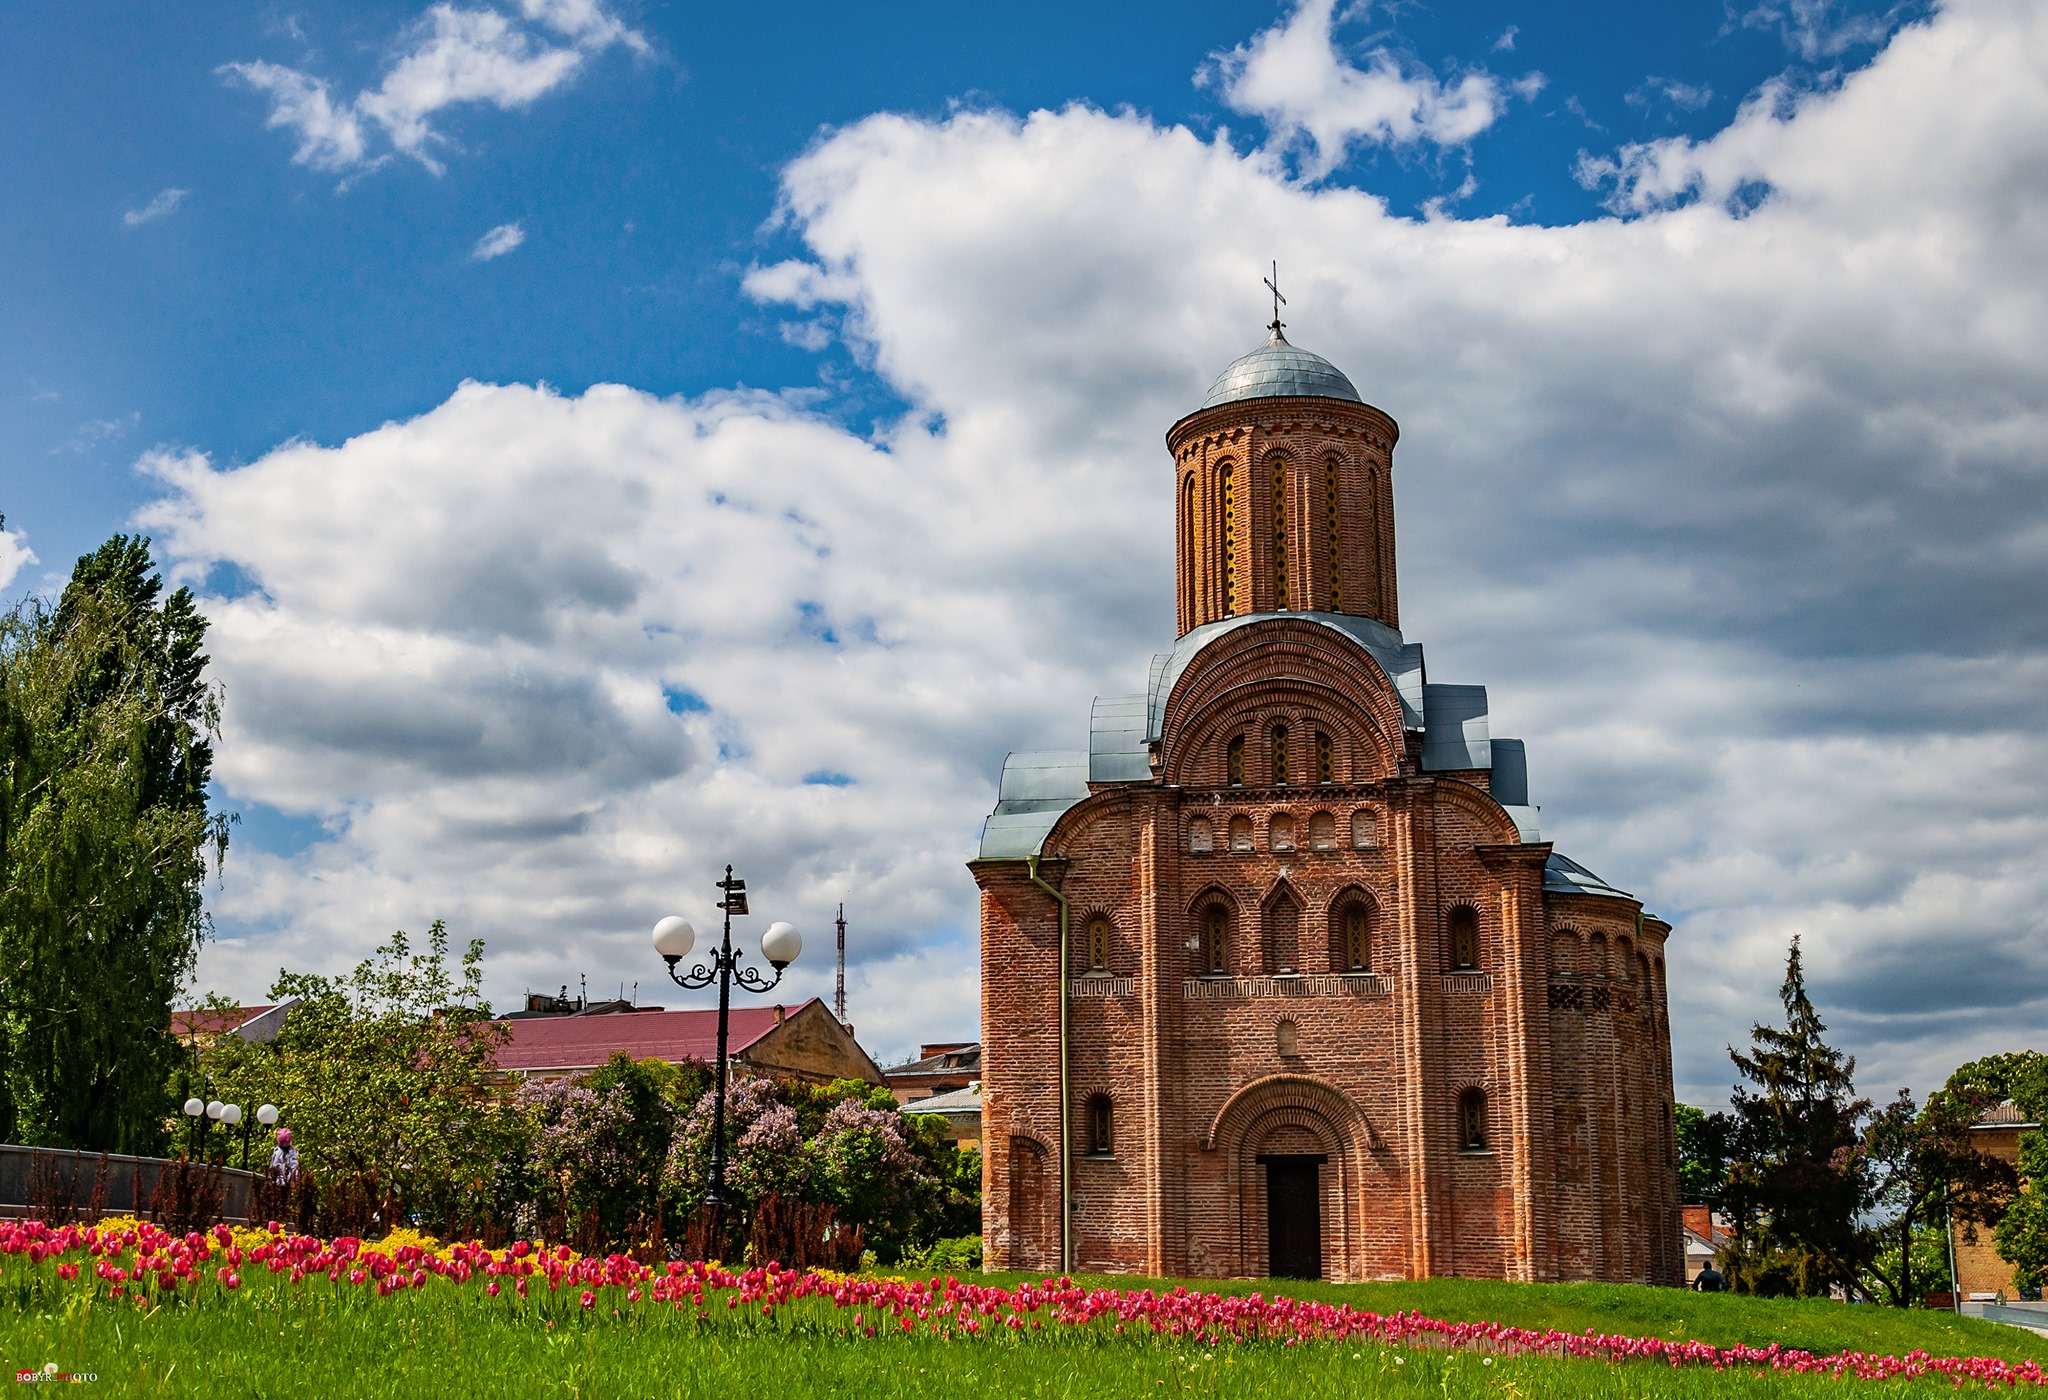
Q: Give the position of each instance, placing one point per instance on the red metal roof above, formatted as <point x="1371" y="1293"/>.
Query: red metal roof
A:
<point x="583" y="1042"/>
<point x="207" y="1022"/>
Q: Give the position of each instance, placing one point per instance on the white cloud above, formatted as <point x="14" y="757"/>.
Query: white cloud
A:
<point x="1736" y="509"/>
<point x="163" y="204"/>
<point x="450" y="56"/>
<point x="499" y="241"/>
<point x="1294" y="78"/>
<point x="1816" y="29"/>
<point x="1686" y="97"/>
<point x="99" y="432"/>
<point x="1506" y="42"/>
<point x="15" y="555"/>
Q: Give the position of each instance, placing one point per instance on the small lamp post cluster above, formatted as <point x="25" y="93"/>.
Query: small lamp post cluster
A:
<point x="673" y="939"/>
<point x="207" y="1112"/>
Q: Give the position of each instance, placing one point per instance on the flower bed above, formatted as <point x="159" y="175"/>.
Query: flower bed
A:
<point x="137" y="1262"/>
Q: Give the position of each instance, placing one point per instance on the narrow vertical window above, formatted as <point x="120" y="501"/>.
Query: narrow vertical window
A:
<point x="1330" y="522"/>
<point x="1233" y="762"/>
<point x="1464" y="940"/>
<point x="1472" y="1121"/>
<point x="1280" y="755"/>
<point x="1215" y="940"/>
<point x="1365" y="829"/>
<point x="1287" y="1040"/>
<point x="1100" y="1143"/>
<point x="1326" y="760"/>
<point x="1227" y="481"/>
<point x="1190" y="543"/>
<point x="1098" y="944"/>
<point x="1280" y="532"/>
<point x="1356" y="926"/>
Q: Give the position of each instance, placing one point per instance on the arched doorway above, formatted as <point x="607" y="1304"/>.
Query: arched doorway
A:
<point x="1294" y="1213"/>
<point x="1032" y="1248"/>
<point x="1291" y="1147"/>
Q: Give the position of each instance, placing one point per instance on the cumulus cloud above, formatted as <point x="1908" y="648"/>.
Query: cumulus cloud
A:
<point x="450" y="56"/>
<point x="15" y="555"/>
<point x="1735" y="505"/>
<point x="1296" y="79"/>
<point x="156" y="209"/>
<point x="499" y="241"/>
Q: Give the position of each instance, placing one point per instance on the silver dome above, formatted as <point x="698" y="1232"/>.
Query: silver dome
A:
<point x="1279" y="370"/>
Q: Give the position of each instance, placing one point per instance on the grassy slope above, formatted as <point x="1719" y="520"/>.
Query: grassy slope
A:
<point x="1628" y="1310"/>
<point x="269" y="1340"/>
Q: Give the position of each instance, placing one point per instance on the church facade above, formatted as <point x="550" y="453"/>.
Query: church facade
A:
<point x="1279" y="977"/>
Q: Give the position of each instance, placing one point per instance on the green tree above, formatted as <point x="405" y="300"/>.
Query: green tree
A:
<point x="1704" y="1141"/>
<point x="388" y="1075"/>
<point x="1919" y="1170"/>
<point x="2022" y="1232"/>
<point x="106" y="728"/>
<point x="1795" y="1188"/>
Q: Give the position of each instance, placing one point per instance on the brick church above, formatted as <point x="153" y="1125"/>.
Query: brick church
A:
<point x="1279" y="977"/>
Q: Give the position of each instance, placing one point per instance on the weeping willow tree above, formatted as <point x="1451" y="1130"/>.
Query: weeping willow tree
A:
<point x="106" y="728"/>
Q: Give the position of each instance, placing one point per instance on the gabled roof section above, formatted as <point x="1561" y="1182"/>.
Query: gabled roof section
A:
<point x="560" y="1043"/>
<point x="1455" y="729"/>
<point x="1400" y="661"/>
<point x="1036" y="789"/>
<point x="1116" y="741"/>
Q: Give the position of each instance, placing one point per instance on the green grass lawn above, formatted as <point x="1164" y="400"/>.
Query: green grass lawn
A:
<point x="274" y="1338"/>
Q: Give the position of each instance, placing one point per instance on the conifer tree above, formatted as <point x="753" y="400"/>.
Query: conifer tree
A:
<point x="1795" y="1187"/>
<point x="106" y="724"/>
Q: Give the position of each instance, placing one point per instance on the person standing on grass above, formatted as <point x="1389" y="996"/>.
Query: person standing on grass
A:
<point x="1709" y="1280"/>
<point x="284" y="1159"/>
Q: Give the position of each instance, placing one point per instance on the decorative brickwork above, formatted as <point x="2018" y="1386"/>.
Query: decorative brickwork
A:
<point x="1341" y="994"/>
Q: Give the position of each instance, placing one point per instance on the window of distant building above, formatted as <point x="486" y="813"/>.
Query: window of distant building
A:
<point x="1330" y="518"/>
<point x="1280" y="599"/>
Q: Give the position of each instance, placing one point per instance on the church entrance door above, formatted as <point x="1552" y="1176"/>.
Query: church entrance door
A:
<point x="1294" y="1216"/>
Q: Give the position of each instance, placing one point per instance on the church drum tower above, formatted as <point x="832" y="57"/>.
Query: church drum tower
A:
<point x="1278" y="976"/>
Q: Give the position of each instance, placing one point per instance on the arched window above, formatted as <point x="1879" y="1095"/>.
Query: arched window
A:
<point x="1365" y="829"/>
<point x="1233" y="761"/>
<point x="1226" y="483"/>
<point x="1472" y="1121"/>
<point x="1643" y="975"/>
<point x="1564" y="954"/>
<point x="1280" y="832"/>
<point x="1322" y="832"/>
<point x="1282" y="933"/>
<point x="1098" y="944"/>
<point x="1240" y="833"/>
<point x="1464" y="939"/>
<point x="1280" y="755"/>
<point x="1280" y="532"/>
<point x="1597" y="958"/>
<point x="1214" y="954"/>
<point x="1287" y="1040"/>
<point x="1100" y="1141"/>
<point x="1330" y="523"/>
<point x="1201" y="836"/>
<point x="1326" y="759"/>
<point x="1624" y="959"/>
<point x="1352" y="946"/>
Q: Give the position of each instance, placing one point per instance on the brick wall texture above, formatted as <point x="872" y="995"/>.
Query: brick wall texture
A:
<point x="1493" y="1106"/>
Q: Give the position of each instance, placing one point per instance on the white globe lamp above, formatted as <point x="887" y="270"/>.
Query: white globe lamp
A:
<point x="674" y="938"/>
<point x="780" y="944"/>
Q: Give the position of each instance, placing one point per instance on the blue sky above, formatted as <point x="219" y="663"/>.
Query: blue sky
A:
<point x="613" y="439"/>
<point x="266" y="303"/>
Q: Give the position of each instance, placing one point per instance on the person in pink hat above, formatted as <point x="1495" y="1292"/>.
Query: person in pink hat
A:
<point x="284" y="1159"/>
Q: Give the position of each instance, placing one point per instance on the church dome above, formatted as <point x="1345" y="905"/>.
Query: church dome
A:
<point x="1279" y="370"/>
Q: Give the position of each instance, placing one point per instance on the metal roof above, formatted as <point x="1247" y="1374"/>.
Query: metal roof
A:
<point x="1279" y="370"/>
<point x="1454" y="729"/>
<point x="1402" y="662"/>
<point x="1036" y="789"/>
<point x="1116" y="741"/>
<point x="1563" y="875"/>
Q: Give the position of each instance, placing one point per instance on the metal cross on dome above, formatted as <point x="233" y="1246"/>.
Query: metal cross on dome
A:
<point x="1273" y="286"/>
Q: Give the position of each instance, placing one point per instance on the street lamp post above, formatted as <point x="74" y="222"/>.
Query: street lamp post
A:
<point x="267" y="1116"/>
<point x="673" y="939"/>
